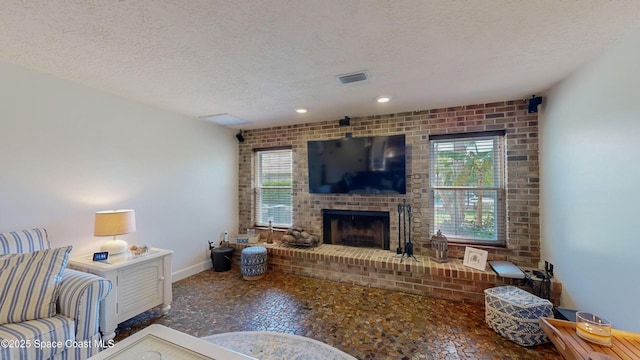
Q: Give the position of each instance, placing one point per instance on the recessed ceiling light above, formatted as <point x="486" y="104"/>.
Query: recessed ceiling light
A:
<point x="301" y="111"/>
<point x="383" y="99"/>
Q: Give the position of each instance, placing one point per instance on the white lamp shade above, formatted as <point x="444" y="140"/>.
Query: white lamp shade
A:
<point x="114" y="222"/>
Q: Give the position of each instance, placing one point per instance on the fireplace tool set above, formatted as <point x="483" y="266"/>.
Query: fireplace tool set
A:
<point x="404" y="212"/>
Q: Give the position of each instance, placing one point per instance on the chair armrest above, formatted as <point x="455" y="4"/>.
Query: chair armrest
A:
<point x="79" y="299"/>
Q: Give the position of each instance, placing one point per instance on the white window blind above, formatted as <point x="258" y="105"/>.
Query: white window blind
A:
<point x="274" y="193"/>
<point x="467" y="179"/>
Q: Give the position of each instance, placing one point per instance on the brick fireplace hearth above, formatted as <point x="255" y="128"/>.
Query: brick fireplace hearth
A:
<point x="384" y="269"/>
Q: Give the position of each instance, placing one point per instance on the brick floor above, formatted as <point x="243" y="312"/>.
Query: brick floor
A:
<point x="366" y="322"/>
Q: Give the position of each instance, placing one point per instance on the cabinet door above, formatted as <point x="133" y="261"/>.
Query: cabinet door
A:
<point x="140" y="288"/>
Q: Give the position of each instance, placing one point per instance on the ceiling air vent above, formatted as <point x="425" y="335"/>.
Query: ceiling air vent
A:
<point x="353" y="77"/>
<point x="225" y="119"/>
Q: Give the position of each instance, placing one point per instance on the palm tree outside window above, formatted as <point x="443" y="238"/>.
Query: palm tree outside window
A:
<point x="467" y="183"/>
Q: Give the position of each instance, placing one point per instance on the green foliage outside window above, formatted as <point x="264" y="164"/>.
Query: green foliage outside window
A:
<point x="465" y="176"/>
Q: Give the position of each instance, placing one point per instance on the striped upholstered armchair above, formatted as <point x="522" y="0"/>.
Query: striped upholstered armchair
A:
<point x="58" y="320"/>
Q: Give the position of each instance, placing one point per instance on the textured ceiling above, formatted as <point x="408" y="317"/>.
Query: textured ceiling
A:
<point x="259" y="60"/>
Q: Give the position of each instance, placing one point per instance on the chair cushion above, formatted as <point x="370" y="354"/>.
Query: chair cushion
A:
<point x="38" y="339"/>
<point x="29" y="284"/>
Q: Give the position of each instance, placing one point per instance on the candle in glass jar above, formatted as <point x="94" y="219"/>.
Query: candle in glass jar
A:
<point x="593" y="328"/>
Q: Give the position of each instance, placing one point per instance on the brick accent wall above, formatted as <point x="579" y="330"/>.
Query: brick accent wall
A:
<point x="522" y="171"/>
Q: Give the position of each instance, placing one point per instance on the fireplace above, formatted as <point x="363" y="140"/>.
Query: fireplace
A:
<point x="368" y="229"/>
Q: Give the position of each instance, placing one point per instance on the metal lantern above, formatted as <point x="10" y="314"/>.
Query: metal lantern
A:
<point x="439" y="247"/>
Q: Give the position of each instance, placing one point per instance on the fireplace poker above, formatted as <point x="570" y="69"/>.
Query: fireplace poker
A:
<point x="399" y="249"/>
<point x="404" y="222"/>
<point x="408" y="246"/>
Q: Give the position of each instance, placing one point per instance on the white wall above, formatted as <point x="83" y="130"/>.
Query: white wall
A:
<point x="590" y="178"/>
<point x="67" y="151"/>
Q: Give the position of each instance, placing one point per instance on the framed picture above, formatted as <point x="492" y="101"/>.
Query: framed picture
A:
<point x="475" y="258"/>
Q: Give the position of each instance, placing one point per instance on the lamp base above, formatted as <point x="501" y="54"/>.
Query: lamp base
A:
<point x="115" y="246"/>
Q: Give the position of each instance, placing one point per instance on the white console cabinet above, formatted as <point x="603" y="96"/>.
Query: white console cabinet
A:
<point x="138" y="284"/>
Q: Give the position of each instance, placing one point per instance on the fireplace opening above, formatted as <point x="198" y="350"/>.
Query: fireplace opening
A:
<point x="368" y="229"/>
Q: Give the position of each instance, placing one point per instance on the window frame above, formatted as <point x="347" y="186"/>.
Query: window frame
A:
<point x="499" y="173"/>
<point x="258" y="188"/>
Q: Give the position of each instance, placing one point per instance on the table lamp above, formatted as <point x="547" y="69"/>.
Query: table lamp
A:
<point x="112" y="223"/>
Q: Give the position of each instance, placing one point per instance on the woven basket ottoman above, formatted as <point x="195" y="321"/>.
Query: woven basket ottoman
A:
<point x="253" y="264"/>
<point x="513" y="313"/>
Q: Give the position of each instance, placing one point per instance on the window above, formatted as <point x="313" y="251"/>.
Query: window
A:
<point x="467" y="179"/>
<point x="274" y="193"/>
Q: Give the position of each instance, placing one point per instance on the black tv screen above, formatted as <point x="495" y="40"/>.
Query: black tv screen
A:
<point x="365" y="165"/>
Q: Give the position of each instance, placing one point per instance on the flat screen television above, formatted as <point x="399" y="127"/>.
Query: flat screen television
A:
<point x="364" y="165"/>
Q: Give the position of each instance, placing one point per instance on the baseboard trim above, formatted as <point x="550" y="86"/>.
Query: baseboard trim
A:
<point x="191" y="270"/>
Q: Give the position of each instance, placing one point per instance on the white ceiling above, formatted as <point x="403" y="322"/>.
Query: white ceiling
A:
<point x="258" y="60"/>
